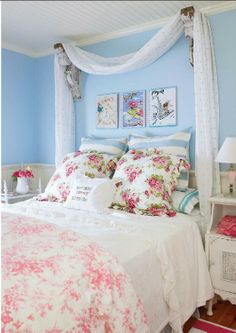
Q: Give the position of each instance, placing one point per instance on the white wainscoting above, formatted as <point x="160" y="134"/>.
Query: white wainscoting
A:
<point x="45" y="171"/>
<point x="40" y="171"/>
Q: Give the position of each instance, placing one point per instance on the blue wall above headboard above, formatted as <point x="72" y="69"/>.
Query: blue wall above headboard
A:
<point x="28" y="92"/>
<point x="172" y="69"/>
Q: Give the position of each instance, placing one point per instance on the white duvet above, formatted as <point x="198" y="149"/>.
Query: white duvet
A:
<point x="164" y="256"/>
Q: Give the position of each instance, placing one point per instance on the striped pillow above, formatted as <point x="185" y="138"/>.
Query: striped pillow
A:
<point x="106" y="146"/>
<point x="184" y="202"/>
<point x="175" y="144"/>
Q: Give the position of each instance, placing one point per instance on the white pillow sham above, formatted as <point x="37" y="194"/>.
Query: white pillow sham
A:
<point x="91" y="194"/>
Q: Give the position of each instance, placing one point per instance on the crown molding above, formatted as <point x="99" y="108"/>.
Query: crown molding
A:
<point x="219" y="8"/>
<point x="210" y="10"/>
<point x="18" y="49"/>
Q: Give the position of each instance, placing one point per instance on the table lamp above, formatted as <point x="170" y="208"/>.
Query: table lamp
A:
<point x="227" y="154"/>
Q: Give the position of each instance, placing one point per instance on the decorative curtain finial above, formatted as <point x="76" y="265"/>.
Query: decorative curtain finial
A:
<point x="71" y="73"/>
<point x="187" y="15"/>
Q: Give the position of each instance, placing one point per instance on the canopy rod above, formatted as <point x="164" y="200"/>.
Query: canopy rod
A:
<point x="187" y="11"/>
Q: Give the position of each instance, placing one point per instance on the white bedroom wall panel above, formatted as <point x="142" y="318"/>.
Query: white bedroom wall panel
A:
<point x="45" y="171"/>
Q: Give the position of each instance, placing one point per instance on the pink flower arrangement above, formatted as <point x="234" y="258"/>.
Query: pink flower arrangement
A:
<point x="27" y="173"/>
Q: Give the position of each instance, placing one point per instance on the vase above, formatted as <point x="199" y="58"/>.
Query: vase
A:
<point x="22" y="186"/>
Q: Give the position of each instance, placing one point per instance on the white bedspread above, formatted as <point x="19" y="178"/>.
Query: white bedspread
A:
<point x="163" y="256"/>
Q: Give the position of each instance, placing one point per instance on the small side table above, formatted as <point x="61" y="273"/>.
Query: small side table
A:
<point x="221" y="251"/>
<point x="11" y="198"/>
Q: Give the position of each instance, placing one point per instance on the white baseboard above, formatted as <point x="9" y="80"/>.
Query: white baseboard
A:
<point x="45" y="171"/>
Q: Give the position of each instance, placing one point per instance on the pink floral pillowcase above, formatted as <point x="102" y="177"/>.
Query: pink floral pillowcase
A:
<point x="91" y="164"/>
<point x="148" y="180"/>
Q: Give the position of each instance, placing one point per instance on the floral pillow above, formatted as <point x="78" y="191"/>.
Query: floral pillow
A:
<point x="91" y="164"/>
<point x="148" y="180"/>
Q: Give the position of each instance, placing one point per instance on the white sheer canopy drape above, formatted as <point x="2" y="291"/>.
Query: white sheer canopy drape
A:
<point x="206" y="114"/>
<point x="206" y="93"/>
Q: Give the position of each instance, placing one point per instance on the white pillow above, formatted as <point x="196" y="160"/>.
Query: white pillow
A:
<point x="91" y="194"/>
<point x="184" y="202"/>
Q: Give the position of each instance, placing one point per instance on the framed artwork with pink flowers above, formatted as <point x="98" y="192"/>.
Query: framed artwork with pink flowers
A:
<point x="107" y="111"/>
<point x="132" y="109"/>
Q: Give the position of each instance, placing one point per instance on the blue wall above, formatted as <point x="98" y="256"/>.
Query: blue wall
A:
<point x="19" y="115"/>
<point x="224" y="29"/>
<point x="172" y="69"/>
<point x="45" y="105"/>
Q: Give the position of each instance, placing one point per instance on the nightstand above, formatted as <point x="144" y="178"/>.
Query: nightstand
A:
<point x="11" y="198"/>
<point x="221" y="252"/>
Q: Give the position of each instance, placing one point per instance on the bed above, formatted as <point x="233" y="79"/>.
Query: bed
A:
<point x="71" y="264"/>
<point x="162" y="256"/>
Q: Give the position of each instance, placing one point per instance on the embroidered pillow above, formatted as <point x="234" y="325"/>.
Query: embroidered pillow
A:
<point x="91" y="194"/>
<point x="174" y="144"/>
<point x="89" y="164"/>
<point x="148" y="179"/>
<point x="184" y="202"/>
<point x="107" y="146"/>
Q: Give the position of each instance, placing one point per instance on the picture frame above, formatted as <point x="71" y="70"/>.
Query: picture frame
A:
<point x="162" y="107"/>
<point x="107" y="111"/>
<point x="132" y="110"/>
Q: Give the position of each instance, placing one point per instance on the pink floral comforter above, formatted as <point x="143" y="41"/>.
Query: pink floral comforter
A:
<point x="58" y="281"/>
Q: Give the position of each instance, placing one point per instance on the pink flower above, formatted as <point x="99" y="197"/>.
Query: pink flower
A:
<point x="125" y="196"/>
<point x="153" y="182"/>
<point x="147" y="193"/>
<point x="171" y="213"/>
<point x="94" y="159"/>
<point x="156" y="211"/>
<point x="133" y="104"/>
<point x="23" y="174"/>
<point x="69" y="171"/>
<point x="15" y="174"/>
<point x="160" y="160"/>
<point x="157" y="185"/>
<point x="140" y="112"/>
<point x="6" y="318"/>
<point x="132" y="176"/>
<point x="131" y="203"/>
<point x="121" y="161"/>
<point x="165" y="196"/>
<point x="65" y="194"/>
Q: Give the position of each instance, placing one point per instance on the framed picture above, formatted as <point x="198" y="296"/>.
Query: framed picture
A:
<point x="162" y="107"/>
<point x="132" y="109"/>
<point x="107" y="111"/>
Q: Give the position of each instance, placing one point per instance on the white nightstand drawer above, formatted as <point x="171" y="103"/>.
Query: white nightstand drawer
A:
<point x="222" y="260"/>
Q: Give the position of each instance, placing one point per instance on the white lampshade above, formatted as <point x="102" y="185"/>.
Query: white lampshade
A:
<point x="227" y="152"/>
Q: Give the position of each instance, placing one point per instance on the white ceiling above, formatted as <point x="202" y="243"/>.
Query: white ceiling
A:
<point x="32" y="27"/>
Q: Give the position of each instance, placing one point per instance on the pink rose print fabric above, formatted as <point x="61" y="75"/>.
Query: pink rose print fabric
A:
<point x="57" y="281"/>
<point x="91" y="164"/>
<point x="148" y="179"/>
